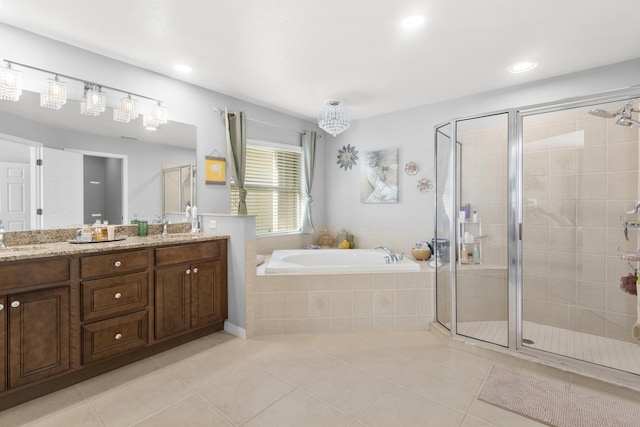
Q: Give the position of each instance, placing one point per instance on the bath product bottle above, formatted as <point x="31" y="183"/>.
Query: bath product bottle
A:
<point x="476" y="254"/>
<point x="143" y="227"/>
<point x="475" y="216"/>
<point x="342" y="236"/>
<point x="326" y="239"/>
<point x="464" y="255"/>
<point x="352" y="243"/>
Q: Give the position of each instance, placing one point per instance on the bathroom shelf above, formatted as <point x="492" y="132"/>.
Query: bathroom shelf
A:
<point x="630" y="256"/>
<point x="471" y="227"/>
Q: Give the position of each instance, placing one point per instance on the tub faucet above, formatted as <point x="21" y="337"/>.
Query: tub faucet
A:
<point x="636" y="208"/>
<point x="392" y="257"/>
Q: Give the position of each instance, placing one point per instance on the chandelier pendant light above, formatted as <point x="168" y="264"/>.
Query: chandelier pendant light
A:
<point x="334" y="118"/>
<point x="126" y="111"/>
<point x="54" y="95"/>
<point x="10" y="83"/>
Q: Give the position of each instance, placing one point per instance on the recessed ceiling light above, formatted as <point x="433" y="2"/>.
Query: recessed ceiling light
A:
<point x="183" y="68"/>
<point x="413" y="21"/>
<point x="523" y="66"/>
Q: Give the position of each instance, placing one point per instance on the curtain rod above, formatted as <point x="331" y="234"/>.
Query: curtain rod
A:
<point x="302" y="132"/>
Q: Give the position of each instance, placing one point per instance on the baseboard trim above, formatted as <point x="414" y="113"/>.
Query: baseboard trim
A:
<point x="234" y="330"/>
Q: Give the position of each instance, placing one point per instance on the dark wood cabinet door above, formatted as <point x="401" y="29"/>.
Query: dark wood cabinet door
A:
<point x="38" y="335"/>
<point x="3" y="343"/>
<point x="208" y="298"/>
<point x="172" y="300"/>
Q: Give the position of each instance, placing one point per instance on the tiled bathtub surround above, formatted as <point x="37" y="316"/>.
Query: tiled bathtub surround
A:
<point x="343" y="302"/>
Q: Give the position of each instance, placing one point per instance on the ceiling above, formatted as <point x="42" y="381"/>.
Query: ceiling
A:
<point x="293" y="55"/>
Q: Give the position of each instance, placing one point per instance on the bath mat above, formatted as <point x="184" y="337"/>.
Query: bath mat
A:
<point x="553" y="403"/>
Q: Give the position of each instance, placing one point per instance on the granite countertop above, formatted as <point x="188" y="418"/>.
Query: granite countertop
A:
<point x="51" y="249"/>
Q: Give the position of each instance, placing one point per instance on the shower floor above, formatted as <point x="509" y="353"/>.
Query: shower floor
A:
<point x="590" y="348"/>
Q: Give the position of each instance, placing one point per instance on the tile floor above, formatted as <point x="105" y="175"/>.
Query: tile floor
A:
<point x="382" y="379"/>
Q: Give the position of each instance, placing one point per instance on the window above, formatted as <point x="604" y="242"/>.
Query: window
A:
<point x="273" y="181"/>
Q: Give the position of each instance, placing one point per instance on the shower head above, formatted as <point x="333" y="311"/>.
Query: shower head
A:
<point x="627" y="121"/>
<point x="603" y="113"/>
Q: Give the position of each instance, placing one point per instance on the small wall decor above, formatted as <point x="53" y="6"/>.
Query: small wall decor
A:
<point x="411" y="168"/>
<point x="215" y="170"/>
<point x="347" y="157"/>
<point x="425" y="185"/>
<point x="379" y="177"/>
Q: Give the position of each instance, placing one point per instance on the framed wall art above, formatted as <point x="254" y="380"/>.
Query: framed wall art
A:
<point x="215" y="170"/>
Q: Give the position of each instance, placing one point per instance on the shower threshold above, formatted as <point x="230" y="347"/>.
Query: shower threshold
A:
<point x="612" y="353"/>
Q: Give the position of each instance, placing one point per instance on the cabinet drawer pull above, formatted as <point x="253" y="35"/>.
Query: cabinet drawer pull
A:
<point x="118" y="336"/>
<point x="195" y="270"/>
<point x="15" y="304"/>
<point x="118" y="295"/>
<point x="1" y="307"/>
<point x="118" y="264"/>
<point x="188" y="271"/>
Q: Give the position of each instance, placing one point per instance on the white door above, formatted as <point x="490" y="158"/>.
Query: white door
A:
<point x="15" y="209"/>
<point x="62" y="185"/>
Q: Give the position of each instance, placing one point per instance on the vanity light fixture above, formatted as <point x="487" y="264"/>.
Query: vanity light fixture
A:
<point x="126" y="111"/>
<point x="10" y="83"/>
<point x="54" y="95"/>
<point x="94" y="100"/>
<point x="334" y="118"/>
<point x="522" y="66"/>
<point x="156" y="117"/>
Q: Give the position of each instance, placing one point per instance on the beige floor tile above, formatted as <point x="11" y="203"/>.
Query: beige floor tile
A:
<point x="499" y="417"/>
<point x="399" y="407"/>
<point x="344" y="387"/>
<point x="108" y="381"/>
<point x="78" y="415"/>
<point x="411" y="342"/>
<point x="185" y="351"/>
<point x="243" y="394"/>
<point x="299" y="409"/>
<point x="192" y="412"/>
<point x="378" y="360"/>
<point x="295" y="363"/>
<point x="332" y="344"/>
<point x="254" y="349"/>
<point x="207" y="367"/>
<point x="42" y="407"/>
<point x="139" y="399"/>
<point x="447" y="386"/>
<point x="459" y="360"/>
<point x="470" y="421"/>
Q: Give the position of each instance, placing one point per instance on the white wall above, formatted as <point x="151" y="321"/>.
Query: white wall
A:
<point x="411" y="131"/>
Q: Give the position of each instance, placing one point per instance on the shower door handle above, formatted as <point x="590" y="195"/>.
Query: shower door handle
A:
<point x="520" y="231"/>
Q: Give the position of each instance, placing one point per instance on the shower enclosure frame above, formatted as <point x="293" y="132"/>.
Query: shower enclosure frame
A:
<point x="515" y="215"/>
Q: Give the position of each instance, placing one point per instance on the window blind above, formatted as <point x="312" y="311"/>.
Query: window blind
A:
<point x="273" y="181"/>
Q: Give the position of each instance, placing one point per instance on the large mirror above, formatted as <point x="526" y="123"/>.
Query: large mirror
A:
<point x="59" y="168"/>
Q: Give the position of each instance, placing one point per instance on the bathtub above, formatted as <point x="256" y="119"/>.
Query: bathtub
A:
<point x="334" y="261"/>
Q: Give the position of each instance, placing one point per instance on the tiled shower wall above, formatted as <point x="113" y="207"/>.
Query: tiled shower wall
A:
<point x="580" y="177"/>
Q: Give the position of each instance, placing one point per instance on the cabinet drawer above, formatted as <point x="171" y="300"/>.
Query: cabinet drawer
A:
<point x="113" y="263"/>
<point x="114" y="295"/>
<point x="188" y="253"/>
<point x="35" y="272"/>
<point x="114" y="336"/>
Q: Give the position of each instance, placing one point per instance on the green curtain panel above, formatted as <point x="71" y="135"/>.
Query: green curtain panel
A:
<point x="309" y="159"/>
<point x="235" y="125"/>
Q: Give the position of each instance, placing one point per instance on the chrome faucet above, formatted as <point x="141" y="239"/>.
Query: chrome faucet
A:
<point x="636" y="208"/>
<point x="392" y="257"/>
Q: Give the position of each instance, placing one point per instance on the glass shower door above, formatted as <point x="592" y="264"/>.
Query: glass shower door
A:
<point x="444" y="195"/>
<point x="481" y="295"/>
<point x="580" y="178"/>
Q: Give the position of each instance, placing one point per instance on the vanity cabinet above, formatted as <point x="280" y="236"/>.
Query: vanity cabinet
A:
<point x="73" y="316"/>
<point x="114" y="292"/>
<point x="34" y="321"/>
<point x="190" y="287"/>
<point x="3" y="343"/>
